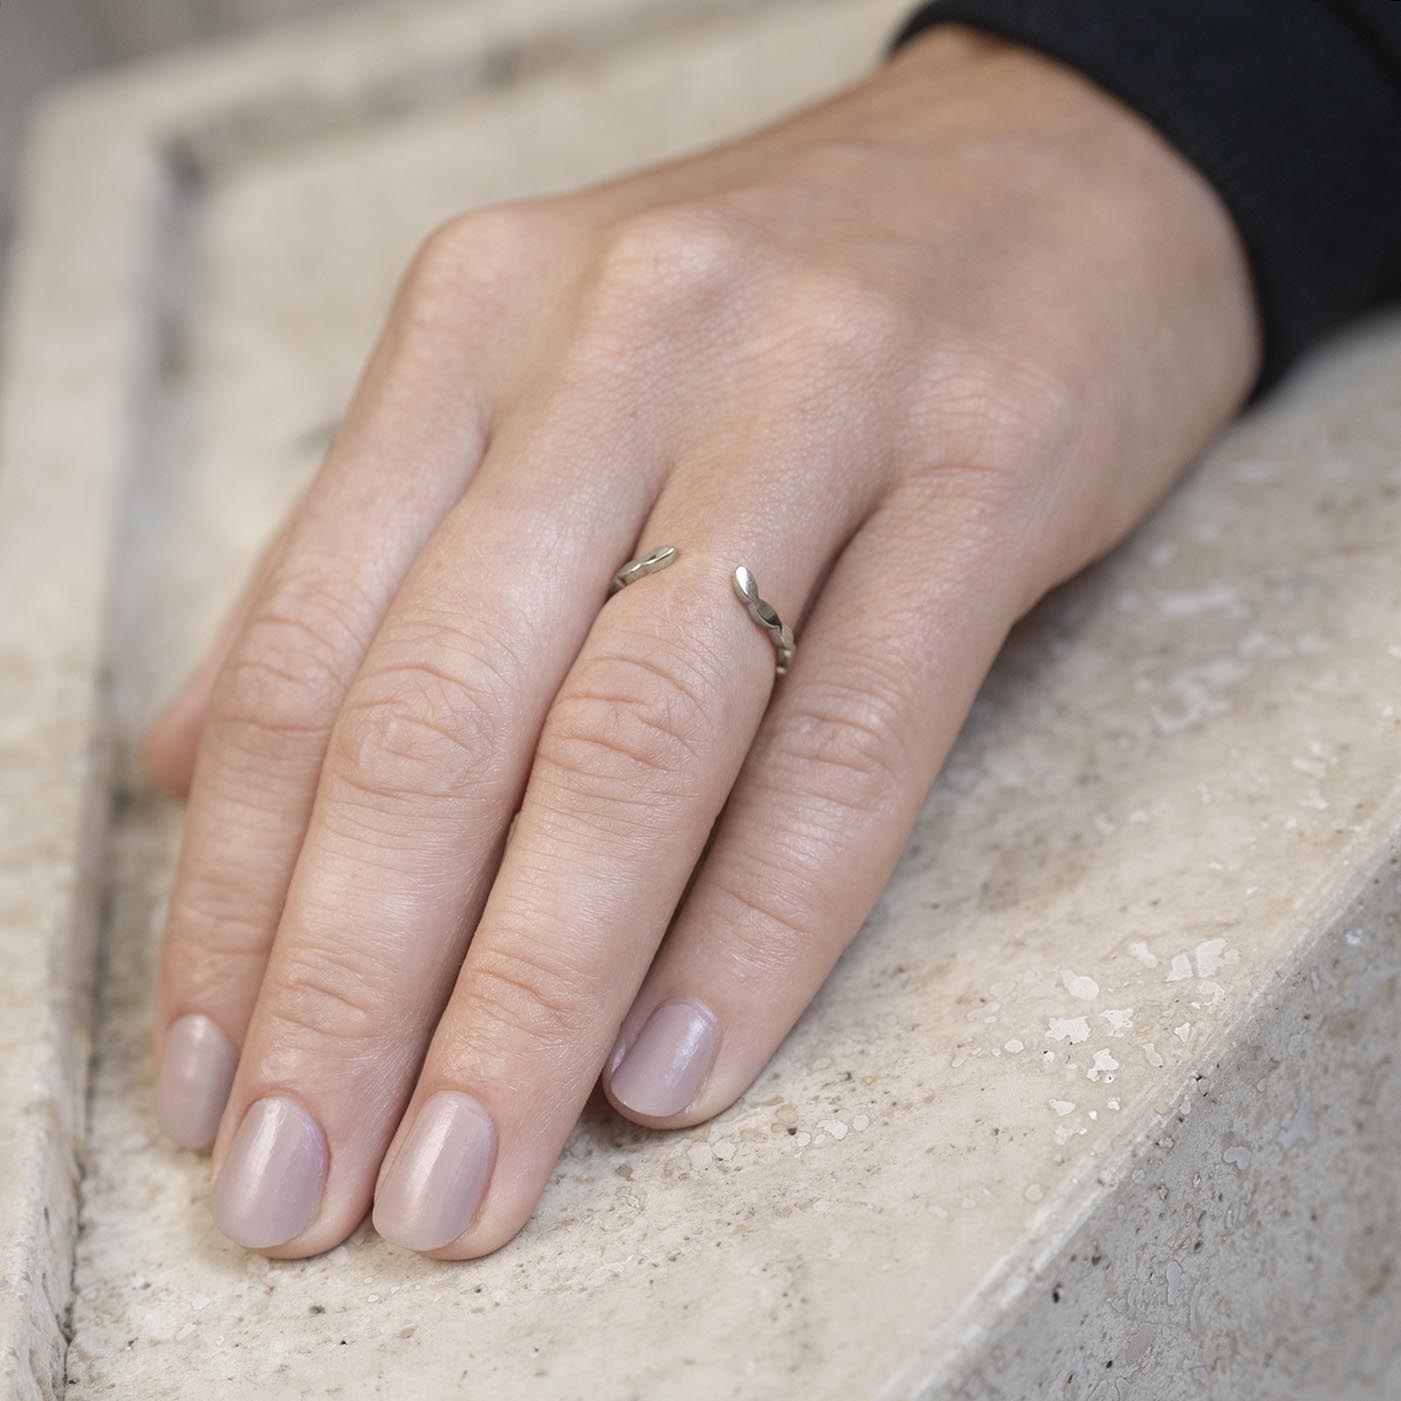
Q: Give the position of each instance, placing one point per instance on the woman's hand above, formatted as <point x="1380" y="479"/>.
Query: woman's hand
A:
<point x="912" y="357"/>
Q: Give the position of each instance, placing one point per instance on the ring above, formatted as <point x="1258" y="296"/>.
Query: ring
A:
<point x="763" y="614"/>
<point x="635" y="568"/>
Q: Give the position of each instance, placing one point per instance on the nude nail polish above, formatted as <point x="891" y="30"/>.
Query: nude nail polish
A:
<point x="270" y="1185"/>
<point x="192" y="1082"/>
<point x="662" y="1071"/>
<point x="439" y="1176"/>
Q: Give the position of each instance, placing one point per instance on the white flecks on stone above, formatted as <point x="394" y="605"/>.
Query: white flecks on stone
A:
<point x="1173" y="1272"/>
<point x="1150" y="1054"/>
<point x="1079" y="985"/>
<point x="1210" y="598"/>
<point x="861" y="1123"/>
<point x="1120" y="1020"/>
<point x="1140" y="950"/>
<point x="1211" y="956"/>
<point x="1315" y="800"/>
<point x="1211" y="996"/>
<point x="835" y="1127"/>
<point x="1062" y="1106"/>
<point x="1102" y="1065"/>
<point x="1237" y="1157"/>
<point x="1183" y="1032"/>
<point x="1014" y="1047"/>
<point x="1181" y="968"/>
<point x="1071" y="1029"/>
<point x="724" y="1150"/>
<point x="960" y="778"/>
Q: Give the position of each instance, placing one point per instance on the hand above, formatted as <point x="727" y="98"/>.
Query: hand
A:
<point x="912" y="357"/>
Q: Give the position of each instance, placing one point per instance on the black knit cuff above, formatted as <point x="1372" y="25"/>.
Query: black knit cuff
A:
<point x="1286" y="106"/>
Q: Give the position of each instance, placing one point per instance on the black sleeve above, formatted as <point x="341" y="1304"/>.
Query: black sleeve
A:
<point x="1291" y="108"/>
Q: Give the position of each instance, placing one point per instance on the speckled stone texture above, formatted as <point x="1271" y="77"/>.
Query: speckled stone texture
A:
<point x="1103" y="1104"/>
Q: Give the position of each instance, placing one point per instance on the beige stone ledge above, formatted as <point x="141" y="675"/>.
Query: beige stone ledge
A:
<point x="1102" y="1105"/>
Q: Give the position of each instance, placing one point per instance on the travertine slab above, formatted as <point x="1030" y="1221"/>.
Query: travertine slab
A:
<point x="1102" y="1105"/>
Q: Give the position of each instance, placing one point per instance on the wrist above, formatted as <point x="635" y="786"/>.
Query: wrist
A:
<point x="1035" y="124"/>
<point x="1135" y="292"/>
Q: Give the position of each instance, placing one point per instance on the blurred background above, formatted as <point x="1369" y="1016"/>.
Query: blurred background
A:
<point x="45" y="42"/>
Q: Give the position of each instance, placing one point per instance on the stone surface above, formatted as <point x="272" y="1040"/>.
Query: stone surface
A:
<point x="45" y="44"/>
<point x="1102" y="1103"/>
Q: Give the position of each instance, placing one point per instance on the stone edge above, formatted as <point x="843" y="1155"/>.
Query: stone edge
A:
<point x="998" y="1343"/>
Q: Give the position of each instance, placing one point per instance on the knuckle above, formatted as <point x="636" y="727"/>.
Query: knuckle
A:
<point x="840" y="319"/>
<point x="454" y="255"/>
<point x="996" y="416"/>
<point x="628" y="717"/>
<point x="671" y="249"/>
<point x="772" y="916"/>
<point x="651" y="266"/>
<point x="282" y="683"/>
<point x="525" y="992"/>
<point x="417" y="729"/>
<point x="212" y="925"/>
<point x="770" y="925"/>
<point x="319" y="992"/>
<point x="472" y="258"/>
<point x="1010" y="480"/>
<point x="843" y="748"/>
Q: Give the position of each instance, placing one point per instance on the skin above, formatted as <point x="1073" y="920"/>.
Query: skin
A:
<point x="914" y="356"/>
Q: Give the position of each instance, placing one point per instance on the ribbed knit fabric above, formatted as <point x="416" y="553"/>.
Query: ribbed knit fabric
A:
<point x="1291" y="108"/>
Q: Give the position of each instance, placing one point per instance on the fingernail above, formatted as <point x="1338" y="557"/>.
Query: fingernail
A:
<point x="192" y="1083"/>
<point x="661" y="1071"/>
<point x="438" y="1177"/>
<point x="270" y="1185"/>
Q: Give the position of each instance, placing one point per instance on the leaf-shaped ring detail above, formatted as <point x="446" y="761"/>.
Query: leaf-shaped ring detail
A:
<point x="635" y="568"/>
<point x="763" y="614"/>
